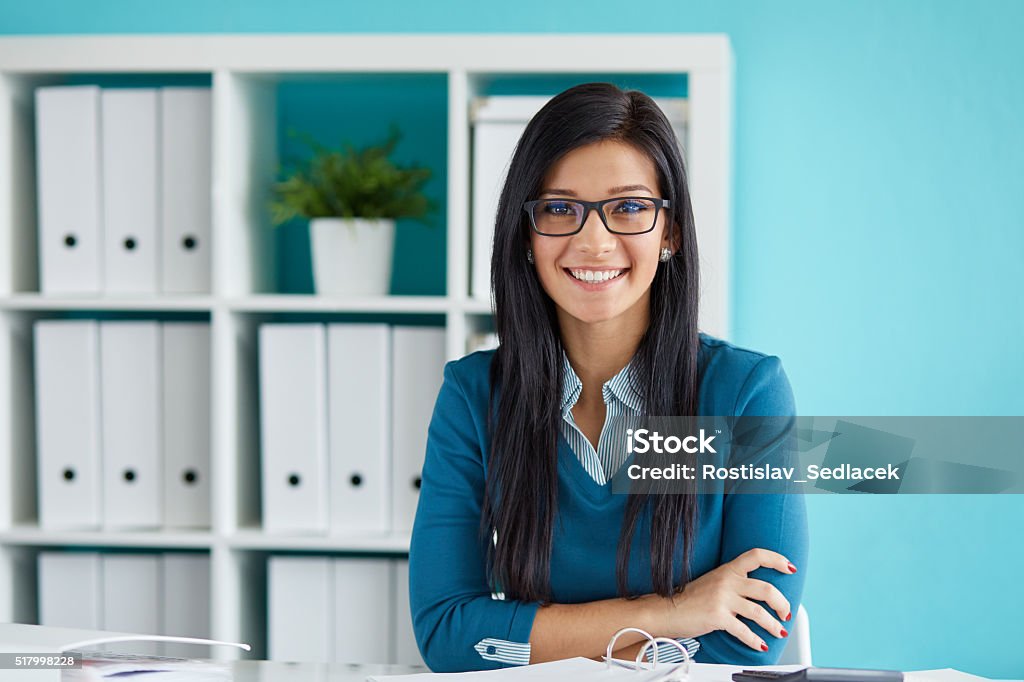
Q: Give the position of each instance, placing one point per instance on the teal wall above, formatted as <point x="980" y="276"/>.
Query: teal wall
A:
<point x="878" y="249"/>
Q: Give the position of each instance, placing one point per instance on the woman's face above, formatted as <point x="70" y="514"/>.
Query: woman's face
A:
<point x="601" y="170"/>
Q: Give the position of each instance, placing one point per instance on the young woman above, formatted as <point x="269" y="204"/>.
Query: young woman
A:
<point x="521" y="552"/>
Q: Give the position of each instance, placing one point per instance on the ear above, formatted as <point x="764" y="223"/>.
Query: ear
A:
<point x="670" y="238"/>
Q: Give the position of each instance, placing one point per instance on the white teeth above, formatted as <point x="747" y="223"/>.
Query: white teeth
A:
<point x="595" y="275"/>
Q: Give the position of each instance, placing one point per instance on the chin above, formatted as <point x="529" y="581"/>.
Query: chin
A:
<point x="593" y="314"/>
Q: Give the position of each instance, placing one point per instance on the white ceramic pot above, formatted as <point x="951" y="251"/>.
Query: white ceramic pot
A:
<point x="352" y="255"/>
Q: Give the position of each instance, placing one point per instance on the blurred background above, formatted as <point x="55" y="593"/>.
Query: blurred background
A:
<point x="878" y="249"/>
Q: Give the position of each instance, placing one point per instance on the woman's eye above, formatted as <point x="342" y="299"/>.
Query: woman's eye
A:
<point x="558" y="208"/>
<point x="631" y="206"/>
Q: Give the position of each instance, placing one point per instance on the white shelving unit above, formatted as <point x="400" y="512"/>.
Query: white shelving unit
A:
<point x="244" y="72"/>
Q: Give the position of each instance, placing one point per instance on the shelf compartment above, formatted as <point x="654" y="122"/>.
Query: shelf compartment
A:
<point x="260" y="112"/>
<point x="19" y="227"/>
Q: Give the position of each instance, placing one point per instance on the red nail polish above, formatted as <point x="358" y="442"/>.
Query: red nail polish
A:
<point x="764" y="647"/>
<point x="792" y="568"/>
<point x="784" y="633"/>
<point x="788" y="616"/>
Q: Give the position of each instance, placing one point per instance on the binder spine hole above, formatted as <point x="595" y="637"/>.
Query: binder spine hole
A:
<point x="356" y="480"/>
<point x="189" y="242"/>
<point x="69" y="474"/>
<point x="190" y="476"/>
<point x="129" y="244"/>
<point x="70" y="240"/>
<point x="294" y="480"/>
<point x="417" y="482"/>
<point x="129" y="475"/>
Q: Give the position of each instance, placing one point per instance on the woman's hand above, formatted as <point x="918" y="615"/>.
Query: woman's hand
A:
<point x="717" y="599"/>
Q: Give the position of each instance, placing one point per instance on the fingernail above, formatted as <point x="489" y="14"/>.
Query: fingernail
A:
<point x="784" y="633"/>
<point x="788" y="616"/>
<point x="764" y="647"/>
<point x="792" y="568"/>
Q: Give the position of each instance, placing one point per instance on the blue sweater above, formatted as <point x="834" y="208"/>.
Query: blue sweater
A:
<point x="460" y="625"/>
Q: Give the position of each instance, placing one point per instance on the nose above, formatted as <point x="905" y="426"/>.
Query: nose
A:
<point x="594" y="238"/>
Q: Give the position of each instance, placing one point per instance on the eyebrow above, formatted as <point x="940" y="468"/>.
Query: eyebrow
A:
<point x="612" y="190"/>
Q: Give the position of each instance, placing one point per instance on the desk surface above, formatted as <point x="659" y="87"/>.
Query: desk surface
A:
<point x="276" y="671"/>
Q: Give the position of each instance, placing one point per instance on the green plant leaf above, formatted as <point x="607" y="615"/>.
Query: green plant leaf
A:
<point x="350" y="183"/>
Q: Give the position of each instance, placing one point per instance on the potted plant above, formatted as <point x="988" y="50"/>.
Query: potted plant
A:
<point x="352" y="198"/>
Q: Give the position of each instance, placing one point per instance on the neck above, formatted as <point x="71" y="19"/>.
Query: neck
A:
<point x="599" y="350"/>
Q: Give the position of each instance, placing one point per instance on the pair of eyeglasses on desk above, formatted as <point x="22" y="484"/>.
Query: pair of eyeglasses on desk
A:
<point x="681" y="672"/>
<point x="677" y="673"/>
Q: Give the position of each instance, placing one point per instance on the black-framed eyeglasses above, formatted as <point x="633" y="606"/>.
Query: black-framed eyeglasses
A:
<point x="621" y="215"/>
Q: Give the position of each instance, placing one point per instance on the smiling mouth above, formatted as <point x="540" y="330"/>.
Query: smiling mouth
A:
<point x="595" y="276"/>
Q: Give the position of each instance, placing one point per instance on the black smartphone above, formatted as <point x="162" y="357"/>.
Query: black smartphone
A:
<point x="819" y="675"/>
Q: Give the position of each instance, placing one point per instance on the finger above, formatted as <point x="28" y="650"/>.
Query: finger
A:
<point x="740" y="631"/>
<point x="753" y="559"/>
<point x="759" y="590"/>
<point x="760" y="615"/>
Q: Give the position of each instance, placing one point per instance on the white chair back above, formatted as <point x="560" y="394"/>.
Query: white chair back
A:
<point x="798" y="644"/>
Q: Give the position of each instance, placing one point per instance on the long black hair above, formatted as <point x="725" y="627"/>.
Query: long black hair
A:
<point x="520" y="499"/>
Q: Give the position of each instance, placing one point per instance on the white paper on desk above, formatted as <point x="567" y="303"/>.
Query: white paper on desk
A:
<point x="31" y="639"/>
<point x="585" y="668"/>
<point x="555" y="671"/>
<point x="943" y="675"/>
<point x="106" y="665"/>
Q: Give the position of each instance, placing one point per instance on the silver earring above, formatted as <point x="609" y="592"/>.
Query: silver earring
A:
<point x="529" y="256"/>
<point x="666" y="254"/>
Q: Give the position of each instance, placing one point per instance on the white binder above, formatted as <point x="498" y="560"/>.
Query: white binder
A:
<point x="362" y="610"/>
<point x="131" y="394"/>
<point x="493" y="145"/>
<point x="68" y="192"/>
<point x="359" y="434"/>
<point x="67" y="399"/>
<point x="293" y="428"/>
<point x="406" y="650"/>
<point x="417" y="366"/>
<point x="130" y="149"/>
<point x="186" y="119"/>
<point x="132" y="596"/>
<point x="186" y="601"/>
<point x="186" y="424"/>
<point x="70" y="589"/>
<point x="300" y="609"/>
<point x="498" y="123"/>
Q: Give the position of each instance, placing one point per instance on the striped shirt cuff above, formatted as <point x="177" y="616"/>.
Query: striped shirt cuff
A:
<point x="668" y="653"/>
<point x="503" y="651"/>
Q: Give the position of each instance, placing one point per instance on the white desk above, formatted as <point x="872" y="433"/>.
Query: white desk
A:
<point x="275" y="671"/>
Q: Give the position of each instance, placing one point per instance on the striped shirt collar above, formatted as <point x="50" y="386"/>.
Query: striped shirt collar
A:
<point x="618" y="387"/>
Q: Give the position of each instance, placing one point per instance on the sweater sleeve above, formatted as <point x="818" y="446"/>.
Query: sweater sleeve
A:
<point x="459" y="624"/>
<point x="771" y="521"/>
